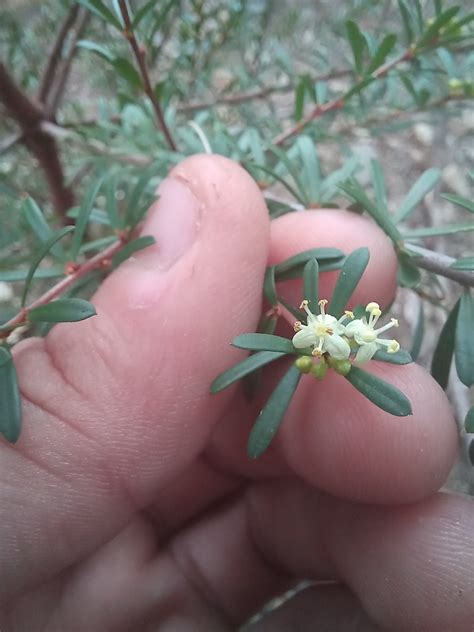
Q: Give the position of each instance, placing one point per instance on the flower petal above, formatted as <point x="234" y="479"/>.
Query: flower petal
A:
<point x="305" y="338"/>
<point x="365" y="352"/>
<point x="353" y="327"/>
<point x="337" y="347"/>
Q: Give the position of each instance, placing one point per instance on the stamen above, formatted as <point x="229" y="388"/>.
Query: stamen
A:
<point x="322" y="303"/>
<point x="371" y="306"/>
<point x="387" y="326"/>
<point x="349" y="314"/>
<point x="393" y="347"/>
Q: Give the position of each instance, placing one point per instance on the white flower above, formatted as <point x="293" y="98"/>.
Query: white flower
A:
<point x="363" y="332"/>
<point x="323" y="332"/>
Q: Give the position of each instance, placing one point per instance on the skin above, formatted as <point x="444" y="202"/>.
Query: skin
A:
<point x="129" y="503"/>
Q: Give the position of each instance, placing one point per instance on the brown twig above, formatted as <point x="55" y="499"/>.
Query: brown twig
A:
<point x="139" y="53"/>
<point x="337" y="104"/>
<point x="55" y="55"/>
<point x="99" y="260"/>
<point x="440" y="264"/>
<point x="29" y="116"/>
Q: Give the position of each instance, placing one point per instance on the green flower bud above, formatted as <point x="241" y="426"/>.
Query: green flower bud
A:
<point x="342" y="366"/>
<point x="319" y="370"/>
<point x="304" y="364"/>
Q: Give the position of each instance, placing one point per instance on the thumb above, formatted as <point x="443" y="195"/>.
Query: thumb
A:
<point x="114" y="406"/>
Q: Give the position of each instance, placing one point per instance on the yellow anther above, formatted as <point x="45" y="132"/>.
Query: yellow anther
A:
<point x="393" y="347"/>
<point x="323" y="302"/>
<point x="371" y="307"/>
<point x="394" y="322"/>
<point x="297" y="326"/>
<point x="304" y="303"/>
<point x="349" y="314"/>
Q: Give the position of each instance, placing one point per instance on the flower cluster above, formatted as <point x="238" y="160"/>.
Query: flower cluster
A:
<point x="337" y="339"/>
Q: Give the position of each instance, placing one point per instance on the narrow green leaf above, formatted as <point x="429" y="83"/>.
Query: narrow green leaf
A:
<point x="381" y="393"/>
<point x="433" y="30"/>
<point x="279" y="179"/>
<point x="407" y="21"/>
<point x="459" y="200"/>
<point x="141" y="13"/>
<point x="247" y="366"/>
<point x="471" y="452"/>
<point x="349" y="277"/>
<point x="400" y="357"/>
<point x="353" y="189"/>
<point x="294" y="172"/>
<point x="449" y="229"/>
<point x="378" y="181"/>
<point x="415" y="195"/>
<point x="99" y="9"/>
<point x="463" y="263"/>
<point x="61" y="311"/>
<point x="10" y="405"/>
<point x="40" y="255"/>
<point x="21" y="274"/>
<point x="263" y="342"/>
<point x="419" y="333"/>
<point x="132" y="215"/>
<point x="272" y="414"/>
<point x="83" y="216"/>
<point x="100" y="50"/>
<point x="311" y="170"/>
<point x="302" y="258"/>
<point x="408" y="274"/>
<point x="443" y="354"/>
<point x="300" y="94"/>
<point x="469" y="421"/>
<point x="127" y="71"/>
<point x="358" y="44"/>
<point x="464" y="340"/>
<point x="97" y="244"/>
<point x="269" y="288"/>
<point x="383" y="50"/>
<point x="35" y="219"/>
<point x="131" y="248"/>
<point x="96" y="216"/>
<point x="311" y="283"/>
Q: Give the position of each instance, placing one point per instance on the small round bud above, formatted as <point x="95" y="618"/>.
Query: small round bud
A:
<point x="342" y="366"/>
<point x="304" y="364"/>
<point x="319" y="370"/>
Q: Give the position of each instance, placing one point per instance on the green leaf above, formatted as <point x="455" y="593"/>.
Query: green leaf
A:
<point x="443" y="354"/>
<point x="469" y="421"/>
<point x="238" y="371"/>
<point x="353" y="189"/>
<point x="449" y="229"/>
<point x="311" y="283"/>
<point x="418" y="334"/>
<point x="301" y="89"/>
<point x="311" y="171"/>
<point x="141" y="13"/>
<point x="463" y="263"/>
<point x="433" y="30"/>
<point x="96" y="216"/>
<point x="301" y="259"/>
<point x="63" y="310"/>
<point x="40" y="255"/>
<point x="471" y="452"/>
<point x="379" y="392"/>
<point x="98" y="244"/>
<point x="83" y="216"/>
<point x="408" y="274"/>
<point x="400" y="357"/>
<point x="415" y="195"/>
<point x="407" y="20"/>
<point x="99" y="9"/>
<point x="35" y="219"/>
<point x="459" y="200"/>
<point x="21" y="274"/>
<point x="128" y="72"/>
<point x="263" y="342"/>
<point x="133" y="213"/>
<point x="383" y="50"/>
<point x="269" y="288"/>
<point x="100" y="50"/>
<point x="10" y="405"/>
<point x="358" y="44"/>
<point x="111" y="201"/>
<point x="464" y="340"/>
<point x="349" y="277"/>
<point x="378" y="181"/>
<point x="279" y="179"/>
<point x="294" y="172"/>
<point x="272" y="414"/>
<point x="131" y="248"/>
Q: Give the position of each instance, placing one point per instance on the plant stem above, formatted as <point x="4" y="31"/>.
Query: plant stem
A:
<point x="99" y="260"/>
<point x="140" y="58"/>
<point x="440" y="264"/>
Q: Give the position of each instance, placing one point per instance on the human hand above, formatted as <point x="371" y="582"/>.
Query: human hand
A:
<point x="129" y="503"/>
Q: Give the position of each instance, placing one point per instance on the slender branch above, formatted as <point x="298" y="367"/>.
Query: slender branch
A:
<point x="56" y="91"/>
<point x="337" y="104"/>
<point x="29" y="116"/>
<point x="55" y="55"/>
<point x="440" y="264"/>
<point x="140" y="59"/>
<point x="100" y="260"/>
